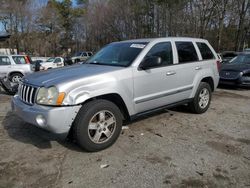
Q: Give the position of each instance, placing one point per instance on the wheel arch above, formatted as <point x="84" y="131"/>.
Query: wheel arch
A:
<point x="14" y="72"/>
<point x="116" y="99"/>
<point x="210" y="81"/>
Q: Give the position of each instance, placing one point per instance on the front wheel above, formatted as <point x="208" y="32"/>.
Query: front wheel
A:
<point x="97" y="125"/>
<point x="202" y="99"/>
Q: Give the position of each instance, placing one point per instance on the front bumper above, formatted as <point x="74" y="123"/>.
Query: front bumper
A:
<point x="242" y="81"/>
<point x="57" y="120"/>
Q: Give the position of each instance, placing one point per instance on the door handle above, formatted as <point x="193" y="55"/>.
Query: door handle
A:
<point x="198" y="68"/>
<point x="170" y="73"/>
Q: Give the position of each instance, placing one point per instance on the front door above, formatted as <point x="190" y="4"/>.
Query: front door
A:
<point x="154" y="87"/>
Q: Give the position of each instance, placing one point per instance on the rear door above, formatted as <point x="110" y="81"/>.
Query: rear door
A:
<point x="5" y="66"/>
<point x="58" y="62"/>
<point x="208" y="58"/>
<point x="187" y="66"/>
<point x="84" y="56"/>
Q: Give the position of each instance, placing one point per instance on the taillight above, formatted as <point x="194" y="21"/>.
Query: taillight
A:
<point x="27" y="59"/>
<point x="218" y="65"/>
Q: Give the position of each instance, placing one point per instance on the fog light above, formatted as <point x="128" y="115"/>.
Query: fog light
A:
<point x="40" y="120"/>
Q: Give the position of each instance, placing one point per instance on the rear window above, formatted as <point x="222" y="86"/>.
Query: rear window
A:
<point x="19" y="59"/>
<point x="206" y="53"/>
<point x="186" y="52"/>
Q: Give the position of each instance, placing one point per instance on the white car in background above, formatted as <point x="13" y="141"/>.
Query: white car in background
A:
<point x="53" y="62"/>
<point x="14" y="67"/>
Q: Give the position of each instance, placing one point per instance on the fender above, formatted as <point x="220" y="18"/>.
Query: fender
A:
<point x="97" y="86"/>
<point x="198" y="77"/>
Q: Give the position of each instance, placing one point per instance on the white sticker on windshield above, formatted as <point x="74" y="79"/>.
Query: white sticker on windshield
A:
<point x="137" y="45"/>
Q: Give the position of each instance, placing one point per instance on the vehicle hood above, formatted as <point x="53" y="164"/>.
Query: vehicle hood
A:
<point x="66" y="74"/>
<point x="235" y="67"/>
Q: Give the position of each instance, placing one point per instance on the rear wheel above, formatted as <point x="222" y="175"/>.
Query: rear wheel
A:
<point x="97" y="125"/>
<point x="202" y="99"/>
<point x="16" y="77"/>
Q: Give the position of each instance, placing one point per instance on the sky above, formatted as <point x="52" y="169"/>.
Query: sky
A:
<point x="42" y="3"/>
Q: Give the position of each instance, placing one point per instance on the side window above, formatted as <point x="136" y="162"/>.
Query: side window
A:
<point x="163" y="50"/>
<point x="57" y="60"/>
<point x="84" y="54"/>
<point x="186" y="52"/>
<point x="19" y="59"/>
<point x="4" y="60"/>
<point x="206" y="52"/>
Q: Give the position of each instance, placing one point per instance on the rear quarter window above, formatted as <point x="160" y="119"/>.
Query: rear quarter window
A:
<point x="206" y="52"/>
<point x="186" y="52"/>
<point x="19" y="59"/>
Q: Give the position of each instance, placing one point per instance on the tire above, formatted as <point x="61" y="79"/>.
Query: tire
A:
<point x="98" y="125"/>
<point x="16" y="77"/>
<point x="202" y="99"/>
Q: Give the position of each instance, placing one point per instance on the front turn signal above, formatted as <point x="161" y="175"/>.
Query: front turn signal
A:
<point x="60" y="98"/>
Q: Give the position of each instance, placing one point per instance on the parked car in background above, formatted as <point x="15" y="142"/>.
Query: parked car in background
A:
<point x="237" y="71"/>
<point x="15" y="67"/>
<point x="9" y="87"/>
<point x="247" y="50"/>
<point x="53" y="62"/>
<point x="123" y="81"/>
<point x="228" y="55"/>
<point x="81" y="56"/>
<point x="68" y="61"/>
<point x="37" y="64"/>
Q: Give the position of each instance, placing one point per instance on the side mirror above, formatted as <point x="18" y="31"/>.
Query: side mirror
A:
<point x="149" y="62"/>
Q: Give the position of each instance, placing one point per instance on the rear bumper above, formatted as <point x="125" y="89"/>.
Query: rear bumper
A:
<point x="57" y="120"/>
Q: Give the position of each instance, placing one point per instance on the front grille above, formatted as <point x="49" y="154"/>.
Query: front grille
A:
<point x="232" y="75"/>
<point x="27" y="93"/>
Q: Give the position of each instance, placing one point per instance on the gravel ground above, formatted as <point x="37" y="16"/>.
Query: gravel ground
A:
<point x="173" y="148"/>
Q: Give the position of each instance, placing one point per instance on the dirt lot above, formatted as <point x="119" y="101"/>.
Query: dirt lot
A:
<point x="169" y="149"/>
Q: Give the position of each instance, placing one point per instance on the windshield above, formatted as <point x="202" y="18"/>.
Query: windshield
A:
<point x="51" y="59"/>
<point x="117" y="54"/>
<point x="243" y="58"/>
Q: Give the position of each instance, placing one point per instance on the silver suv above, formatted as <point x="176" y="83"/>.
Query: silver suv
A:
<point x="81" y="56"/>
<point x="15" y="66"/>
<point x="123" y="81"/>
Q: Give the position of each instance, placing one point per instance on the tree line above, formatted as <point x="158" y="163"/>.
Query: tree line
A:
<point x="51" y="27"/>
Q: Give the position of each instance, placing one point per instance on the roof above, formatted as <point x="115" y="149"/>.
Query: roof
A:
<point x="162" y="38"/>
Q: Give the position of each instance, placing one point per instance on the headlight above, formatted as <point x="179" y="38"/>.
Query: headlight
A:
<point x="49" y="96"/>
